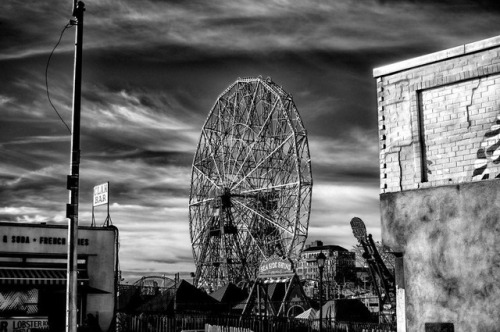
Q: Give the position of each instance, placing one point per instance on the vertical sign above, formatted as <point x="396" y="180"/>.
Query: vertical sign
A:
<point x="101" y="194"/>
<point x="101" y="197"/>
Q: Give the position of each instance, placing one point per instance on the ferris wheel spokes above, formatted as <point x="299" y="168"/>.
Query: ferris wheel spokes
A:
<point x="211" y="152"/>
<point x="261" y="215"/>
<point x="291" y="184"/>
<point x="262" y="161"/>
<point x="206" y="176"/>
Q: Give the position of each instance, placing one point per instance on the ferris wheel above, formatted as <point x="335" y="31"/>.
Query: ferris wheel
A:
<point x="251" y="184"/>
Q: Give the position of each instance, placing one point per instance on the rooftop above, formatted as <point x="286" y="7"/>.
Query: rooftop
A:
<point x="331" y="247"/>
<point x="437" y="56"/>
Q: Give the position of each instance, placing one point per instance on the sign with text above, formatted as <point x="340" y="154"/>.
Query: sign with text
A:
<point x="276" y="266"/>
<point x="101" y="194"/>
<point x="23" y="324"/>
<point x="35" y="238"/>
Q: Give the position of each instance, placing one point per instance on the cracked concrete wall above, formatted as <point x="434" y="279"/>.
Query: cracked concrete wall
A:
<point x="449" y="240"/>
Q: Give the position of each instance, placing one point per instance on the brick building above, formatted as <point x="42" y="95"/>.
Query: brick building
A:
<point x="439" y="127"/>
<point x="339" y="266"/>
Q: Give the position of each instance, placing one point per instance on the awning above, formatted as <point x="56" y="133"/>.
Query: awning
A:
<point x="37" y="276"/>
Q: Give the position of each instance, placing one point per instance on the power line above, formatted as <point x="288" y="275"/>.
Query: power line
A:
<point x="69" y="25"/>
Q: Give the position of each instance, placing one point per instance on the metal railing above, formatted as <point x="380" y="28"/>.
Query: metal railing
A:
<point x="227" y="323"/>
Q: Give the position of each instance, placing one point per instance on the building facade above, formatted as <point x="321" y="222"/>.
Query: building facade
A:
<point x="439" y="132"/>
<point x="33" y="272"/>
<point x="339" y="267"/>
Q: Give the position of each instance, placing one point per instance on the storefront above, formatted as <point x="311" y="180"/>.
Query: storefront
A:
<point x="33" y="276"/>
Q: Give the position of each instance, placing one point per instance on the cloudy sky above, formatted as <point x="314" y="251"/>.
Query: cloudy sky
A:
<point x="152" y="70"/>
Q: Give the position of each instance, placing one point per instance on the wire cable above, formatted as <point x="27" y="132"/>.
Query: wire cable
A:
<point x="46" y="75"/>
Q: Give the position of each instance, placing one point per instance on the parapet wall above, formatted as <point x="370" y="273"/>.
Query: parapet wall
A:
<point x="439" y="118"/>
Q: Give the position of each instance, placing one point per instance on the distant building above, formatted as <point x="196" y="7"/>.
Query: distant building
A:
<point x="339" y="267"/>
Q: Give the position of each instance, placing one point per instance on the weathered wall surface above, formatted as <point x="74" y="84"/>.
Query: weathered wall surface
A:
<point x="450" y="240"/>
<point x="439" y="121"/>
<point x="439" y="127"/>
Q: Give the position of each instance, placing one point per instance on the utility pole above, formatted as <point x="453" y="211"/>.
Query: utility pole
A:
<point x="73" y="179"/>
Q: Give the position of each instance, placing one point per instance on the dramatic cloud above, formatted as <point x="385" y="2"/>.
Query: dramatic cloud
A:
<point x="152" y="71"/>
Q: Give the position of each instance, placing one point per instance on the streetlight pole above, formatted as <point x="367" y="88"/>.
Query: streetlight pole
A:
<point x="320" y="260"/>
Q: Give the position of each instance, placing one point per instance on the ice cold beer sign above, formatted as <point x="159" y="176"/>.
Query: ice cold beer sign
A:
<point x="101" y="194"/>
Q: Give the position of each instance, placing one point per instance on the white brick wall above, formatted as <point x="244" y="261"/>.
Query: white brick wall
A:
<point x="433" y="118"/>
<point x="453" y="126"/>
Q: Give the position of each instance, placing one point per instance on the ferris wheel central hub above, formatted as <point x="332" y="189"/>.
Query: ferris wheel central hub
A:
<point x="225" y="198"/>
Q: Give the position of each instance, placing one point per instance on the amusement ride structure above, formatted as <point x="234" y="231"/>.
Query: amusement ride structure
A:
<point x="382" y="279"/>
<point x="251" y="184"/>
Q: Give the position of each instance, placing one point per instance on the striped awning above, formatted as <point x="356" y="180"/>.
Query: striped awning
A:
<point x="36" y="276"/>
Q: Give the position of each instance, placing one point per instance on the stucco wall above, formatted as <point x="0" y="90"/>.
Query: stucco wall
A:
<point x="449" y="237"/>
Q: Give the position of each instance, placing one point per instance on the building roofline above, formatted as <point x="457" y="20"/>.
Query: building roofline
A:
<point x="53" y="225"/>
<point x="327" y="247"/>
<point x="437" y="56"/>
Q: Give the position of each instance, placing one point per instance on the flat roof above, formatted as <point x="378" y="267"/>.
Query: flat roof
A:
<point x="54" y="225"/>
<point x="437" y="56"/>
<point x="326" y="247"/>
